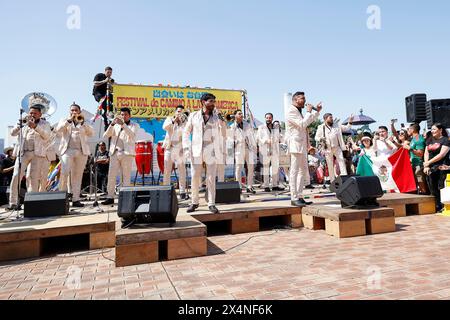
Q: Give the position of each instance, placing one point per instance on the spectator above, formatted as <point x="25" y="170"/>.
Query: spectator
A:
<point x="383" y="145"/>
<point x="102" y="161"/>
<point x="7" y="167"/>
<point x="314" y="160"/>
<point x="367" y="147"/>
<point x="435" y="159"/>
<point x="416" y="151"/>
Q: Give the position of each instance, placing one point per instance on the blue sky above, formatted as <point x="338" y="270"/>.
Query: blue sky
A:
<point x="265" y="47"/>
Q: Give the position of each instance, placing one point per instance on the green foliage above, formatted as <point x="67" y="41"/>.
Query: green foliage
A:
<point x="313" y="129"/>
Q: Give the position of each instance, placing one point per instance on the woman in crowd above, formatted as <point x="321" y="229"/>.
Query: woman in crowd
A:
<point x="435" y="159"/>
<point x="367" y="146"/>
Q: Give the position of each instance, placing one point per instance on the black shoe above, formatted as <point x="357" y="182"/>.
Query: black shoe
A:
<point x="251" y="190"/>
<point x="77" y="204"/>
<point x="267" y="190"/>
<point x="192" y="208"/>
<point x="184" y="196"/>
<point x="13" y="207"/>
<point x="277" y="189"/>
<point x="108" y="202"/>
<point x="298" y="203"/>
<point x="306" y="203"/>
<point x="213" y="209"/>
<point x="70" y="196"/>
<point x="310" y="186"/>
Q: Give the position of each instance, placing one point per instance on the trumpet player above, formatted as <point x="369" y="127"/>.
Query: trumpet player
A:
<point x="173" y="148"/>
<point x="298" y="142"/>
<point x="269" y="148"/>
<point x="122" y="151"/>
<point x="329" y="136"/>
<point x="245" y="148"/>
<point x="74" y="150"/>
<point x="30" y="151"/>
<point x="206" y="128"/>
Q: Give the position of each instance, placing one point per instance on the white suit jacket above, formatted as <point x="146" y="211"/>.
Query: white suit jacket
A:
<point x="127" y="133"/>
<point x="269" y="142"/>
<point x="43" y="131"/>
<point x="337" y="129"/>
<point x="296" y="129"/>
<point x="64" y="128"/>
<point x="194" y="126"/>
<point x="242" y="138"/>
<point x="172" y="132"/>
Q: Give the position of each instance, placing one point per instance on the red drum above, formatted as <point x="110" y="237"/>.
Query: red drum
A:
<point x="160" y="156"/>
<point x="144" y="156"/>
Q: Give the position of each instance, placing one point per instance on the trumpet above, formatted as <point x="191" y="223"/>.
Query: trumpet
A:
<point x="118" y="119"/>
<point x="182" y="117"/>
<point x="79" y="118"/>
<point x="27" y="119"/>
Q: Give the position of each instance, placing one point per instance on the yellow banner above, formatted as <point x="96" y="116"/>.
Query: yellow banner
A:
<point x="160" y="102"/>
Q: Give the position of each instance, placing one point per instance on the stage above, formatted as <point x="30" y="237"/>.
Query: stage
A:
<point x="89" y="229"/>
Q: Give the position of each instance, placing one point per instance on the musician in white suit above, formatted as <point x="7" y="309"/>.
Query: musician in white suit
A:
<point x="31" y="151"/>
<point x="206" y="127"/>
<point x="296" y="126"/>
<point x="329" y="136"/>
<point x="74" y="150"/>
<point x="122" y="151"/>
<point x="173" y="148"/>
<point x="269" y="140"/>
<point x="245" y="148"/>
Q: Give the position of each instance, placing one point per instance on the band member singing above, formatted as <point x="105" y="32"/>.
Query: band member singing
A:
<point x="31" y="152"/>
<point x="206" y="127"/>
<point x="329" y="136"/>
<point x="103" y="82"/>
<point x="245" y="148"/>
<point x="269" y="140"/>
<point x="173" y="148"/>
<point x="122" y="151"/>
<point x="298" y="143"/>
<point x="74" y="150"/>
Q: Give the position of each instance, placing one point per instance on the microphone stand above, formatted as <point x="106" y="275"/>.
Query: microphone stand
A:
<point x="19" y="158"/>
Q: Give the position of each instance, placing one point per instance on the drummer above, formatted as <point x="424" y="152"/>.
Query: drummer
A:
<point x="172" y="145"/>
<point x="122" y="151"/>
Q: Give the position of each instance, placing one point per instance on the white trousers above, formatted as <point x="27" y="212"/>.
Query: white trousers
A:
<point x="73" y="163"/>
<point x="250" y="167"/>
<point x="171" y="156"/>
<point x="221" y="173"/>
<point x="269" y="162"/>
<point x="34" y="165"/>
<point x="119" y="165"/>
<point x="298" y="170"/>
<point x="196" y="173"/>
<point x="337" y="152"/>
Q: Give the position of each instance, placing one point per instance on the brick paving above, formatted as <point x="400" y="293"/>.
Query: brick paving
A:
<point x="412" y="263"/>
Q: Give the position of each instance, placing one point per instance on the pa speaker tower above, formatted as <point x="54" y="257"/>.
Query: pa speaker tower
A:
<point x="148" y="204"/>
<point x="438" y="111"/>
<point x="415" y="108"/>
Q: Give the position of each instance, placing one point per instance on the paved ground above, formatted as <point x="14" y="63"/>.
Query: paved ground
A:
<point x="413" y="263"/>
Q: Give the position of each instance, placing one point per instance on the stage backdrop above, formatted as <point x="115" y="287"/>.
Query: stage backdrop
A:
<point x="151" y="105"/>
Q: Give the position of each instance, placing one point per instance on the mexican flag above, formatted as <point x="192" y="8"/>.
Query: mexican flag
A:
<point x="395" y="172"/>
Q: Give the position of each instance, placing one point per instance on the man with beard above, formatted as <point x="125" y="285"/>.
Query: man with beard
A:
<point x="329" y="135"/>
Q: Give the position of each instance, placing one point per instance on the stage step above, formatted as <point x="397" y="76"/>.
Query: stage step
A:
<point x="158" y="242"/>
<point x="408" y="204"/>
<point x="248" y="220"/>
<point x="345" y="223"/>
<point x="32" y="238"/>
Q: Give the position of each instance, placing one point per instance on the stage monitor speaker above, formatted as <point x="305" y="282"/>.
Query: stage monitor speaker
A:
<point x="227" y="192"/>
<point x="358" y="192"/>
<point x="416" y="108"/>
<point x="148" y="204"/>
<point x="46" y="204"/>
<point x="438" y="111"/>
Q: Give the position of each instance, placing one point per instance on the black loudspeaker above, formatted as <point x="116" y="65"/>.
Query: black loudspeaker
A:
<point x="438" y="111"/>
<point x="358" y="192"/>
<point x="4" y="195"/>
<point x="148" y="204"/>
<point x="227" y="192"/>
<point x="46" y="204"/>
<point x="415" y="108"/>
